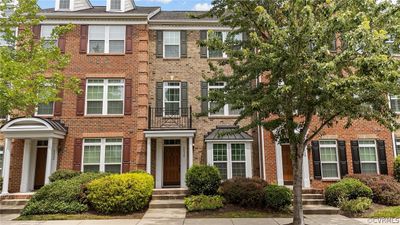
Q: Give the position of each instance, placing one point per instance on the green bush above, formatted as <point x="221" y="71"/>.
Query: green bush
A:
<point x="120" y="193"/>
<point x="278" y="198"/>
<point x="63" y="196"/>
<point x="346" y="189"/>
<point x="397" y="168"/>
<point x="246" y="192"/>
<point x="63" y="175"/>
<point x="1" y="183"/>
<point x="137" y="171"/>
<point x="203" y="202"/>
<point x="203" y="179"/>
<point x="354" y="206"/>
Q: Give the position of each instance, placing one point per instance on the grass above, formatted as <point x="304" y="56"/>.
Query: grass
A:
<point x="387" y="212"/>
<point x="230" y="211"/>
<point x="83" y="216"/>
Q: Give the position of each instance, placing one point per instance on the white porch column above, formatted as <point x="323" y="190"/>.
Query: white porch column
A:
<point x="279" y="165"/>
<point x="49" y="160"/>
<point x="190" y="152"/>
<point x="159" y="163"/>
<point x="54" y="156"/>
<point x="6" y="166"/>
<point x="26" y="166"/>
<point x="306" y="170"/>
<point x="148" y="156"/>
<point x="184" y="161"/>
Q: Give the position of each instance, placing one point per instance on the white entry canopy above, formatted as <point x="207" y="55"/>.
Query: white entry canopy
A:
<point x="33" y="127"/>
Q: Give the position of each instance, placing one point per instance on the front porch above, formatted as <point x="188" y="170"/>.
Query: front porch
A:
<point x="39" y="155"/>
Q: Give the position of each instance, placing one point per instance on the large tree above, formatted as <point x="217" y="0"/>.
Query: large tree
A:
<point x="30" y="68"/>
<point x="301" y="77"/>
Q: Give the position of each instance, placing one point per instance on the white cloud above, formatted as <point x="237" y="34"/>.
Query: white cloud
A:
<point x="202" y="7"/>
<point x="159" y="1"/>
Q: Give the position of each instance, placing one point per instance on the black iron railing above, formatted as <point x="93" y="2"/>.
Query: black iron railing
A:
<point x="163" y="118"/>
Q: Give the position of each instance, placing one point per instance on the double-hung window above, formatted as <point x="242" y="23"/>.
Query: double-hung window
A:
<point x="172" y="98"/>
<point x="395" y="103"/>
<point x="368" y="156"/>
<point x="102" y="155"/>
<point x="44" y="109"/>
<point x="3" y="42"/>
<point x="106" y="39"/>
<point x="329" y="159"/>
<point x="222" y="35"/>
<point x="46" y="33"/>
<point x="172" y="44"/>
<point x="115" y="5"/>
<point x="105" y="97"/>
<point x="230" y="159"/>
<point x="398" y="146"/>
<point x="64" y="4"/>
<point x="393" y="48"/>
<point x="226" y="110"/>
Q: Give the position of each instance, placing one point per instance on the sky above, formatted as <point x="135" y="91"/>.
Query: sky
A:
<point x="200" y="5"/>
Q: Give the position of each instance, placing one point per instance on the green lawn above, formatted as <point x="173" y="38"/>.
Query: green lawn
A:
<point x="388" y="212"/>
<point x="83" y="216"/>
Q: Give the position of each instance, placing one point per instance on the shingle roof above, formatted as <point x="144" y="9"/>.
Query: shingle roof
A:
<point x="102" y="9"/>
<point x="180" y="15"/>
<point x="227" y="133"/>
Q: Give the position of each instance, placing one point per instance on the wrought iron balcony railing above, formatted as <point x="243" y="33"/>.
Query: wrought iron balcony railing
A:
<point x="170" y="118"/>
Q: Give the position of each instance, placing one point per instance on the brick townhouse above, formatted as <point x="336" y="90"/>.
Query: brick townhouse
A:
<point x="141" y="72"/>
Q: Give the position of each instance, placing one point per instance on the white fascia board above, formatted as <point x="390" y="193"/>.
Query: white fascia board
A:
<point x="93" y="22"/>
<point x="33" y="134"/>
<point x="169" y="133"/>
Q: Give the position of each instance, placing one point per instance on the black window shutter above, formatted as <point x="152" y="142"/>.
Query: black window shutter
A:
<point x="159" y="46"/>
<point x="159" y="99"/>
<point x="383" y="168"/>
<point x="203" y="49"/>
<point x="316" y="160"/>
<point x="204" y="94"/>
<point x="342" y="158"/>
<point x="356" y="157"/>
<point x="183" y="44"/>
<point x="184" y="99"/>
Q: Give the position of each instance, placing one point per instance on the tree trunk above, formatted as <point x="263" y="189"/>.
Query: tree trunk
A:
<point x="297" y="163"/>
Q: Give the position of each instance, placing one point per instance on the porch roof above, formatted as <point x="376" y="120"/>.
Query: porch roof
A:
<point x="227" y="133"/>
<point x="33" y="127"/>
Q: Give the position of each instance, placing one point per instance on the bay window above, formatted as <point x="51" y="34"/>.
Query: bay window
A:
<point x="102" y="155"/>
<point x="105" y="97"/>
<point x="172" y="42"/>
<point x="368" y="156"/>
<point x="106" y="39"/>
<point x="329" y="159"/>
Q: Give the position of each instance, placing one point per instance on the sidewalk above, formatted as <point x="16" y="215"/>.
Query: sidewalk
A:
<point x="310" y="220"/>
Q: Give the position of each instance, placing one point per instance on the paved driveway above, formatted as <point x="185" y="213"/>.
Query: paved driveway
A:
<point x="310" y="220"/>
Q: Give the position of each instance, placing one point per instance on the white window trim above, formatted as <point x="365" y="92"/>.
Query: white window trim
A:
<point x="247" y="146"/>
<point x="179" y="56"/>
<point x="394" y="97"/>
<point x="44" y="115"/>
<point x="226" y="106"/>
<point x="102" y="164"/>
<point x="397" y="147"/>
<point x="106" y="41"/>
<point x="330" y="162"/>
<point x="376" y="154"/>
<point x="166" y="86"/>
<point x="71" y="6"/>
<point x="105" y="85"/>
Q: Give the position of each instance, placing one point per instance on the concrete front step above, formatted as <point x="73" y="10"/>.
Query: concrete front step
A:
<point x="313" y="191"/>
<point x="163" y="204"/>
<point x="14" y="202"/>
<point x="168" y="196"/>
<point x="11" y="209"/>
<point x="313" y="196"/>
<point x="313" y="201"/>
<point x="17" y="196"/>
<point x="170" y="191"/>
<point x="320" y="209"/>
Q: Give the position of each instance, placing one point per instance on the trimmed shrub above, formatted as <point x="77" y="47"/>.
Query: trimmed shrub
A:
<point x="354" y="206"/>
<point x="346" y="189"/>
<point x="386" y="190"/>
<point x="203" y="179"/>
<point x="246" y="192"/>
<point x="62" y="196"/>
<point x="397" y="168"/>
<point x="137" y="171"/>
<point x="63" y="175"/>
<point x="203" y="202"/>
<point x="120" y="193"/>
<point x="278" y="198"/>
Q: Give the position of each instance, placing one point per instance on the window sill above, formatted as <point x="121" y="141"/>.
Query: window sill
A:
<point x="223" y="117"/>
<point x="217" y="59"/>
<point x="105" y="54"/>
<point x="330" y="179"/>
<point x="171" y="59"/>
<point x="104" y="116"/>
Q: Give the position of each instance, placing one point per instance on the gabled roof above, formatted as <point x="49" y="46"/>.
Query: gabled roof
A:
<point x="180" y="16"/>
<point x="33" y="127"/>
<point x="227" y="133"/>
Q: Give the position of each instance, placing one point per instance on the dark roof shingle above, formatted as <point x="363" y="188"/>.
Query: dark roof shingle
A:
<point x="180" y="15"/>
<point x="102" y="9"/>
<point x="227" y="133"/>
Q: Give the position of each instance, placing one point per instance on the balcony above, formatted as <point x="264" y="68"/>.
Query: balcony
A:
<point x="170" y="119"/>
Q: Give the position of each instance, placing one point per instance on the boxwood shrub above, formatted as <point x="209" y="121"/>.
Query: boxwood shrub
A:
<point x="346" y="189"/>
<point x="203" y="202"/>
<point x="397" y="168"/>
<point x="120" y="193"/>
<point x="62" y="196"/>
<point x="278" y="198"/>
<point x="63" y="175"/>
<point x="203" y="179"/>
<point x="246" y="192"/>
<point x="355" y="206"/>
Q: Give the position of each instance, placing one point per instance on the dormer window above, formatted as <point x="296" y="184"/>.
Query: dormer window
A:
<point x="115" y="5"/>
<point x="64" y="4"/>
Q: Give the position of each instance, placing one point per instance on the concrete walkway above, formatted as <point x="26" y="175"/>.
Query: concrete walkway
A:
<point x="310" y="220"/>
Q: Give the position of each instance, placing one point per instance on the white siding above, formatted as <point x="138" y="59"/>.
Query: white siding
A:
<point x="80" y="5"/>
<point x="128" y="5"/>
